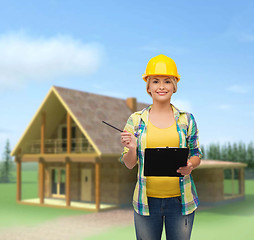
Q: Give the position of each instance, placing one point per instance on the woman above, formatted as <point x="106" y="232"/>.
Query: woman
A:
<point x="171" y="201"/>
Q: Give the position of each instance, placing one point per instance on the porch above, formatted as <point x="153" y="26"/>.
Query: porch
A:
<point x="61" y="203"/>
<point x="64" y="182"/>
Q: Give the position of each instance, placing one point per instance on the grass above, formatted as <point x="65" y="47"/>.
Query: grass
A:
<point x="13" y="214"/>
<point x="233" y="221"/>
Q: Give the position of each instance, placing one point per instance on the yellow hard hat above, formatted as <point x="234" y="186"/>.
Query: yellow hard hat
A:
<point x="161" y="65"/>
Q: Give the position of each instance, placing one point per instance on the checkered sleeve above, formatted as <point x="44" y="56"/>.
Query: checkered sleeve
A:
<point x="192" y="138"/>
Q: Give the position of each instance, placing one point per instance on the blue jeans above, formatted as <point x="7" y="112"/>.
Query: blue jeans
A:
<point x="168" y="210"/>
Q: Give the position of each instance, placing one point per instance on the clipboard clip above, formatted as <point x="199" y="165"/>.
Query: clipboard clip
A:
<point x="167" y="147"/>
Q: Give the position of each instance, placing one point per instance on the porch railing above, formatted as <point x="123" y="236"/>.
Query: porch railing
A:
<point x="78" y="145"/>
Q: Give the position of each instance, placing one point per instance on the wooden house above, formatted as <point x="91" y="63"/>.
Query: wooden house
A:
<point x="219" y="182"/>
<point x="78" y="155"/>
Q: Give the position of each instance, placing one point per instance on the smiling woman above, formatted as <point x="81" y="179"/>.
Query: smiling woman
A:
<point x="167" y="80"/>
<point x="162" y="200"/>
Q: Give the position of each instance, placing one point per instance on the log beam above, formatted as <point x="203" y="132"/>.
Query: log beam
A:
<point x="68" y="133"/>
<point x="97" y="186"/>
<point x="41" y="180"/>
<point x="68" y="181"/>
<point x="43" y="123"/>
<point x="241" y="180"/>
<point x="18" y="193"/>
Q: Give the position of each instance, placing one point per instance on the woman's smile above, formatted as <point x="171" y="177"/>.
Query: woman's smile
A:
<point x="162" y="93"/>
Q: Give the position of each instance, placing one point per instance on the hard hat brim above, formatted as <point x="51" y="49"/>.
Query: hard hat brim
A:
<point x="144" y="76"/>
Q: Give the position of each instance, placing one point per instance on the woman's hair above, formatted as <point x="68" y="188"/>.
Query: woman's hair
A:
<point x="172" y="78"/>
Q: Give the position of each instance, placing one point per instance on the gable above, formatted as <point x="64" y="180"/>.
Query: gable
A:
<point x="87" y="111"/>
<point x="90" y="109"/>
<point x="56" y="115"/>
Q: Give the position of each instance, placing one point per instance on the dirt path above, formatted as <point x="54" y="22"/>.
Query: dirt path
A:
<point x="71" y="227"/>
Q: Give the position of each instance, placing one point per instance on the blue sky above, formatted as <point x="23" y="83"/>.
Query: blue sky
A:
<point x="103" y="47"/>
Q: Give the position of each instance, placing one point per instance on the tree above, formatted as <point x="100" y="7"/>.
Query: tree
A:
<point x="241" y="152"/>
<point x="224" y="153"/>
<point x="230" y="153"/>
<point x="213" y="151"/>
<point x="235" y="152"/>
<point x="250" y="155"/>
<point x="203" y="151"/>
<point x="217" y="151"/>
<point x="210" y="151"/>
<point x="5" y="171"/>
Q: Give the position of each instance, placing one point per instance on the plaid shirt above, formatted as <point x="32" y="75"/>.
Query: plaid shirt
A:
<point x="188" y="136"/>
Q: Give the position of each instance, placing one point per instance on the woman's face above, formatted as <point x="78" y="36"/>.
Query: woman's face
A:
<point x="161" y="88"/>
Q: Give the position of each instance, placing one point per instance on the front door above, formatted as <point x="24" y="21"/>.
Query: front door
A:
<point x="86" y="185"/>
<point x="58" y="182"/>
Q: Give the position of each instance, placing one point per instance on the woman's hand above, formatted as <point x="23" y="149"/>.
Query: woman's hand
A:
<point x="128" y="140"/>
<point x="186" y="170"/>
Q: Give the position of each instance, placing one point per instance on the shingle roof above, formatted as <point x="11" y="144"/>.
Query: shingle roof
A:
<point x="220" y="164"/>
<point x="90" y="109"/>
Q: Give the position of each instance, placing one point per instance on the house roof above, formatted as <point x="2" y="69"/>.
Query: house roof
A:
<point x="220" y="164"/>
<point x="87" y="111"/>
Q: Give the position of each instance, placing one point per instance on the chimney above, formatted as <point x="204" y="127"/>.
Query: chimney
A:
<point x="132" y="104"/>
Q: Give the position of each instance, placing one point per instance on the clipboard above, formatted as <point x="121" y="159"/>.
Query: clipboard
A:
<point x="164" y="162"/>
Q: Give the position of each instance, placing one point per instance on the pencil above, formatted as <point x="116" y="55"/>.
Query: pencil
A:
<point x="112" y="126"/>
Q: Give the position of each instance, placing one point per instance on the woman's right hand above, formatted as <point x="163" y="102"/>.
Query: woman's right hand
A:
<point x="128" y="140"/>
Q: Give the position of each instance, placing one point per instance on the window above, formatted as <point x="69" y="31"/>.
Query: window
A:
<point x="64" y="138"/>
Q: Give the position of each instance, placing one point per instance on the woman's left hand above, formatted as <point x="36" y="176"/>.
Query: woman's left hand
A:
<point x="185" y="170"/>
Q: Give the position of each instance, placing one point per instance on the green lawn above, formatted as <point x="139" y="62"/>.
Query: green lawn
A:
<point x="233" y="221"/>
<point x="13" y="214"/>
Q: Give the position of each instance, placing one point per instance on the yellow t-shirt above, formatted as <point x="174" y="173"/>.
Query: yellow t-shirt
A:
<point x="162" y="187"/>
